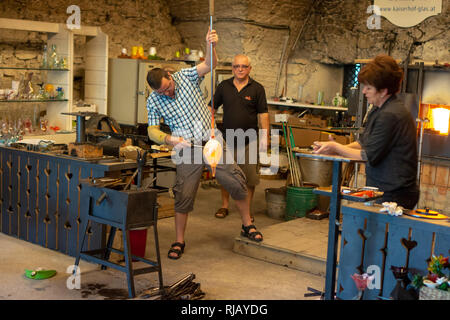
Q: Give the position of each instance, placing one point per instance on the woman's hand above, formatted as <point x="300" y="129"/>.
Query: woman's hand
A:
<point x="325" y="147"/>
<point x="332" y="148"/>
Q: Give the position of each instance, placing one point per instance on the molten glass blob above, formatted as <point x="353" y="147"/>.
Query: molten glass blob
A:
<point x="212" y="153"/>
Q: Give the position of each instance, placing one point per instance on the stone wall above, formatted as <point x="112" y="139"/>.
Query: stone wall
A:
<point x="336" y="33"/>
<point x="127" y="23"/>
<point x="318" y="36"/>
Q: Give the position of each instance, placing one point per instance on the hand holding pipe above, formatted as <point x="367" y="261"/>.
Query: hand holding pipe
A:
<point x="211" y="14"/>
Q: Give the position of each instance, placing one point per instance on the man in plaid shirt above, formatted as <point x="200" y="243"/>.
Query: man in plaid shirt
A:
<point x="178" y="99"/>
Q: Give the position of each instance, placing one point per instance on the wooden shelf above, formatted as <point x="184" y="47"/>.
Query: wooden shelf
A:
<point x="305" y="105"/>
<point x="29" y="25"/>
<point x="87" y="31"/>
<point x="29" y="68"/>
<point x="35" y="100"/>
<point x="429" y="68"/>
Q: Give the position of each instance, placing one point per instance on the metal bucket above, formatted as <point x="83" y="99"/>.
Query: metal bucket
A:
<point x="319" y="172"/>
<point x="276" y="202"/>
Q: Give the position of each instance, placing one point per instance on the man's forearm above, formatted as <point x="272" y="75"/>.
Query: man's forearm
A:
<point x="155" y="134"/>
<point x="208" y="57"/>
<point x="265" y="125"/>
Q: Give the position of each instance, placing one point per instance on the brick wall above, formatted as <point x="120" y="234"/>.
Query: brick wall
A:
<point x="435" y="187"/>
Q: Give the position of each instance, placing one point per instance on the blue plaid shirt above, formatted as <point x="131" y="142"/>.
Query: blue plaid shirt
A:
<point x="187" y="115"/>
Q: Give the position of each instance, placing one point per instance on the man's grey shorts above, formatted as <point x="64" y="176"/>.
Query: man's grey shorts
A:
<point x="248" y="164"/>
<point x="188" y="176"/>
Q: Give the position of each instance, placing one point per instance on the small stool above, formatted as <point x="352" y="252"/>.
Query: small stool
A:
<point x="123" y="210"/>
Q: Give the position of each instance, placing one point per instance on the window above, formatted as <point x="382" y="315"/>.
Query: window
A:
<point x="350" y="78"/>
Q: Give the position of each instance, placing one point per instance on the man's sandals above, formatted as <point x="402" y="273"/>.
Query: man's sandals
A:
<point x="178" y="252"/>
<point x="251" y="235"/>
<point x="222" y="213"/>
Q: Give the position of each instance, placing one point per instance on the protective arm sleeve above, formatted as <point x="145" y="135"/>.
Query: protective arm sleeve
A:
<point x="156" y="135"/>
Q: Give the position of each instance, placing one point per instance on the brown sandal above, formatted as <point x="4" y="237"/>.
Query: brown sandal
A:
<point x="222" y="213"/>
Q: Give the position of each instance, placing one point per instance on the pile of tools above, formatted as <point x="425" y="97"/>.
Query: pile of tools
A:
<point x="184" y="289"/>
<point x="124" y="182"/>
<point x="294" y="167"/>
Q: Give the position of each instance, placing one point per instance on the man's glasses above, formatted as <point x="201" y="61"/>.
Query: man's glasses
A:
<point x="163" y="91"/>
<point x="240" y="66"/>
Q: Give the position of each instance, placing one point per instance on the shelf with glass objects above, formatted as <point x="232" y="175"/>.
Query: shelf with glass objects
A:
<point x="18" y="119"/>
<point x="45" y="82"/>
<point x="23" y="90"/>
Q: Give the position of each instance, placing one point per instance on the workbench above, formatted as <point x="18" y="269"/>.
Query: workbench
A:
<point x="42" y="197"/>
<point x="373" y="238"/>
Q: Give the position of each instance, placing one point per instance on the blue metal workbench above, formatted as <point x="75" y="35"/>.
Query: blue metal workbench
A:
<point x="373" y="238"/>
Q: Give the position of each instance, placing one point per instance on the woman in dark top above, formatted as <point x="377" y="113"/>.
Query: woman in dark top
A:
<point x="388" y="142"/>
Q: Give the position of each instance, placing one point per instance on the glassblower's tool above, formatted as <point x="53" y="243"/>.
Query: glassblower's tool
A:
<point x="213" y="149"/>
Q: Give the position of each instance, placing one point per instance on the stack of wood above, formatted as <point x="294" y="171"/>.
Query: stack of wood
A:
<point x="85" y="150"/>
<point x="166" y="206"/>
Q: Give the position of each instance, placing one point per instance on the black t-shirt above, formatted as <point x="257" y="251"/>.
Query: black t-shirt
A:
<point x="240" y="109"/>
<point x="389" y="144"/>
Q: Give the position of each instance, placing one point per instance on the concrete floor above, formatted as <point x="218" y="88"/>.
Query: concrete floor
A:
<point x="222" y="273"/>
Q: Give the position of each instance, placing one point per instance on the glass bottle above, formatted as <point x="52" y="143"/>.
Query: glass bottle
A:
<point x="53" y="63"/>
<point x="336" y="100"/>
<point x="124" y="54"/>
<point x="45" y="58"/>
<point x="21" y="94"/>
<point x="59" y="93"/>
<point x="42" y="95"/>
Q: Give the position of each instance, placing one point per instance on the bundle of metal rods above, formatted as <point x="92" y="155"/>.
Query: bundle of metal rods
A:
<point x="296" y="175"/>
<point x="184" y="289"/>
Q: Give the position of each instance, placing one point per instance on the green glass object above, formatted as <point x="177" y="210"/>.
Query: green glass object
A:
<point x="59" y="93"/>
<point x="39" y="274"/>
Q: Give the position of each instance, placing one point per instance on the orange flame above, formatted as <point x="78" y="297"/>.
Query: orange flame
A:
<point x="439" y="116"/>
<point x="440" y="120"/>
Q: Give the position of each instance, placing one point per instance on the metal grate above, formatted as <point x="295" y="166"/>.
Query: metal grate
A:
<point x="351" y="72"/>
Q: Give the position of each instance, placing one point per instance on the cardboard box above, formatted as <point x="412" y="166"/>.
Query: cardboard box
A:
<point x="307" y="121"/>
<point x="304" y="138"/>
<point x="338" y="138"/>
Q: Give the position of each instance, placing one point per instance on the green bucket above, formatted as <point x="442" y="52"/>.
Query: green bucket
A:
<point x="300" y="200"/>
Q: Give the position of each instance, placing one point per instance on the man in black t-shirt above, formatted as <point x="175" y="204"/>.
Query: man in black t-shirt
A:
<point x="244" y="103"/>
